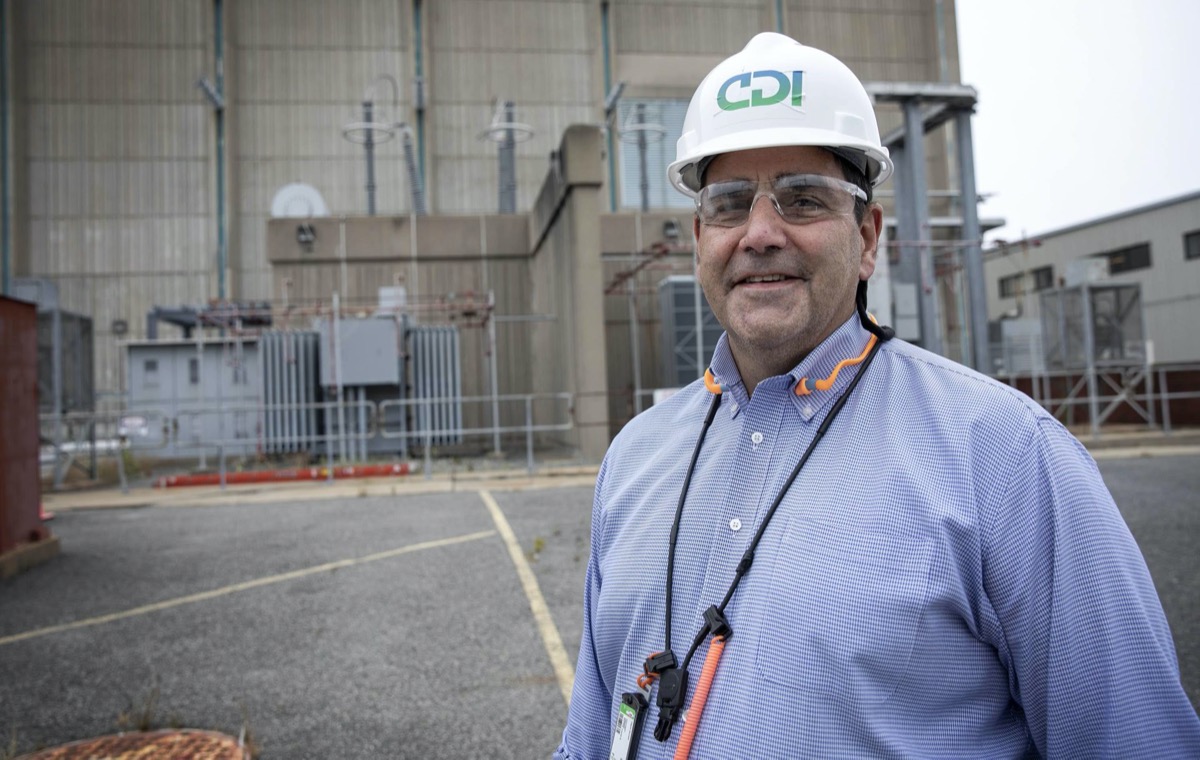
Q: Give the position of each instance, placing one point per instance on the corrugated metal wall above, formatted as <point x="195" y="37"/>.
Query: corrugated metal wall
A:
<point x="297" y="73"/>
<point x="116" y="140"/>
<point x="541" y="54"/>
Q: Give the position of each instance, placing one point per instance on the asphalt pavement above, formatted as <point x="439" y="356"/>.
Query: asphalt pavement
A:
<point x="378" y="619"/>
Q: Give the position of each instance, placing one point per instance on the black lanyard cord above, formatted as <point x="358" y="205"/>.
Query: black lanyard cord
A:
<point x="687" y="481"/>
<point x="748" y="558"/>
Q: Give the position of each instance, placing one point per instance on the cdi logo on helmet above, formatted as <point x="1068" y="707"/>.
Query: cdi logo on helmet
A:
<point x="784" y="86"/>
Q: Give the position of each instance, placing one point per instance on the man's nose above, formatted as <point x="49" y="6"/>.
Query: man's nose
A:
<point x="764" y="226"/>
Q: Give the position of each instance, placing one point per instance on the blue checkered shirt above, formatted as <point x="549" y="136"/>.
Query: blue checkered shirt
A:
<point x="947" y="578"/>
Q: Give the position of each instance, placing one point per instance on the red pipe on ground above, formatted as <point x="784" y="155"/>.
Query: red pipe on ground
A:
<point x="281" y="476"/>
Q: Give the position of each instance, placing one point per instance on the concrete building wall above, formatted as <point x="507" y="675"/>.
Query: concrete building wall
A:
<point x="1170" y="285"/>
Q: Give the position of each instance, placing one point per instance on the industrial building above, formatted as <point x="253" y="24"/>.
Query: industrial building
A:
<point x="500" y="162"/>
<point x="1156" y="247"/>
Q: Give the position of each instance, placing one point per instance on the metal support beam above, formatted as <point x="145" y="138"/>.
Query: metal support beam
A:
<point x="912" y="218"/>
<point x="973" y="250"/>
<point x="918" y="214"/>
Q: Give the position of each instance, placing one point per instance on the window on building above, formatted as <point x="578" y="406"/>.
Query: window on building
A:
<point x="1010" y="286"/>
<point x="150" y="371"/>
<point x="194" y="371"/>
<point x="1128" y="259"/>
<point x="1043" y="278"/>
<point x="1191" y="245"/>
<point x="664" y="117"/>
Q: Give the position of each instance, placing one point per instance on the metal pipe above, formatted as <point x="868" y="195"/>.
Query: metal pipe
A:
<point x="1089" y="348"/>
<point x="507" y="159"/>
<point x="494" y="373"/>
<point x="918" y="209"/>
<point x="337" y="354"/>
<point x="369" y="149"/>
<point x="634" y="343"/>
<point x="222" y="237"/>
<point x="529" y="434"/>
<point x="5" y="171"/>
<point x="612" y="159"/>
<point x="779" y="16"/>
<point x="1166" y="398"/>
<point x="342" y="275"/>
<point x="644" y="181"/>
<point x="362" y="423"/>
<point x="416" y="186"/>
<point x="57" y="384"/>
<point x="419" y="85"/>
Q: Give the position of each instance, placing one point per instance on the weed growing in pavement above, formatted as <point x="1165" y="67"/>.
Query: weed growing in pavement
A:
<point x="246" y="736"/>
<point x="9" y="751"/>
<point x="139" y="715"/>
<point x="539" y="543"/>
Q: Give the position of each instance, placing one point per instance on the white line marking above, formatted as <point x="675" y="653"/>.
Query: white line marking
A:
<point x="563" y="670"/>
<point x="245" y="586"/>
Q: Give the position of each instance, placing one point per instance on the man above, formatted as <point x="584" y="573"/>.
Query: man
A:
<point x="874" y="551"/>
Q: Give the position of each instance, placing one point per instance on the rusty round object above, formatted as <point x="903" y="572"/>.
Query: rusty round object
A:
<point x="152" y="745"/>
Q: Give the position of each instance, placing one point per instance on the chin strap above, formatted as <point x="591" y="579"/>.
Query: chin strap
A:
<point x="860" y="304"/>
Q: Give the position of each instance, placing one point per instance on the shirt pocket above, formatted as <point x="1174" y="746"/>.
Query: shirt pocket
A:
<point x="843" y="607"/>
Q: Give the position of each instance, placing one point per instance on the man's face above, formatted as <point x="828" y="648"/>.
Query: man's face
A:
<point x="775" y="323"/>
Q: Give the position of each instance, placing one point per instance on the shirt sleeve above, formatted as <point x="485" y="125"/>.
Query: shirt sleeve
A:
<point x="1081" y="630"/>
<point x="588" y="731"/>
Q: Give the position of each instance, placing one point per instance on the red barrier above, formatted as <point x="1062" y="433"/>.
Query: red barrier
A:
<point x="284" y="476"/>
<point x="20" y="489"/>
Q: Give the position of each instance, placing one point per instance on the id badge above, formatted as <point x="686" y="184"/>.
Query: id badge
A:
<point x="630" y="715"/>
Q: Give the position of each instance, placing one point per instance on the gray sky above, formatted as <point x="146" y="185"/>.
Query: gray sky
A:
<point x="1086" y="107"/>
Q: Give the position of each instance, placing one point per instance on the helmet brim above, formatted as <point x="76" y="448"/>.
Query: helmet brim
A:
<point x="685" y="177"/>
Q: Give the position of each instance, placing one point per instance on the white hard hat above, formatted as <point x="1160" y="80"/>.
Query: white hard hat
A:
<point x="777" y="92"/>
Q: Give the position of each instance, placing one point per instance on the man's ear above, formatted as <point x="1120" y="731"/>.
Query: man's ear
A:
<point x="870" y="229"/>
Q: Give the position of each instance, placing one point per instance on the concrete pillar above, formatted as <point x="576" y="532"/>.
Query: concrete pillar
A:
<point x="566" y="258"/>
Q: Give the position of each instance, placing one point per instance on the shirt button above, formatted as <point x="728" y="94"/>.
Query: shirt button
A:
<point x="735" y="524"/>
<point x="756" y="437"/>
<point x="733" y="407"/>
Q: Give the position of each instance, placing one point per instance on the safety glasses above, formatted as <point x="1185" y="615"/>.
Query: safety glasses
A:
<point x="799" y="199"/>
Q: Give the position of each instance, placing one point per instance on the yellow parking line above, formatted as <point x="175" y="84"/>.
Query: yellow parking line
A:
<point x="245" y="586"/>
<point x="541" y="613"/>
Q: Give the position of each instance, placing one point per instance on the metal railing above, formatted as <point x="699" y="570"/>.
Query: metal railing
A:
<point x="349" y="430"/>
<point x="1103" y="390"/>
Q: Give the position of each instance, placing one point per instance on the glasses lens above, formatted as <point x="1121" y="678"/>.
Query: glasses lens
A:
<point x="726" y="204"/>
<point x="809" y="197"/>
<point x="800" y="198"/>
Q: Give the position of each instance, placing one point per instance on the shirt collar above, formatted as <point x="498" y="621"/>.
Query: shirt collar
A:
<point x="846" y="342"/>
